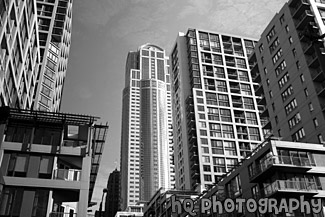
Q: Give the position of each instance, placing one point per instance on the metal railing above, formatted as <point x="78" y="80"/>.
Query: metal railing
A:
<point x="62" y="214"/>
<point x="67" y="174"/>
<point x="285" y="160"/>
<point x="289" y="185"/>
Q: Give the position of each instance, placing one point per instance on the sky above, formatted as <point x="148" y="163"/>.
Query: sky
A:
<point x="104" y="31"/>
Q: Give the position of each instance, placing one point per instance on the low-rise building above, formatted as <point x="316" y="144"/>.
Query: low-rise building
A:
<point x="160" y="204"/>
<point x="49" y="161"/>
<point x="279" y="170"/>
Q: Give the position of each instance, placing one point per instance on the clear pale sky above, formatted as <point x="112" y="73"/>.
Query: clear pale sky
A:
<point x="103" y="31"/>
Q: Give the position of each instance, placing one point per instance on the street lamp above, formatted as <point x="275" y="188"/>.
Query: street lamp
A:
<point x="105" y="190"/>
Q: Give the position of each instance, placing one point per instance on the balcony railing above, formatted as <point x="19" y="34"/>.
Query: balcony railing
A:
<point x="67" y="174"/>
<point x="62" y="214"/>
<point x="279" y="185"/>
<point x="282" y="160"/>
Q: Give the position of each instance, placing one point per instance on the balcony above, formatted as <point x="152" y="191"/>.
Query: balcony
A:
<point x="283" y="187"/>
<point x="194" y="156"/>
<point x="262" y="100"/>
<point x="195" y="174"/>
<point x="67" y="174"/>
<point x="256" y="78"/>
<point x="307" y="47"/>
<point x="195" y="166"/>
<point x="320" y="89"/>
<point x="266" y="124"/>
<point x="208" y="73"/>
<point x="306" y="17"/>
<point x="235" y="89"/>
<point x="265" y="112"/>
<point x="281" y="163"/>
<point x="62" y="214"/>
<point x="299" y="8"/>
<point x="193" y="147"/>
<point x="233" y="75"/>
<point x="312" y="60"/>
<point x="317" y="75"/>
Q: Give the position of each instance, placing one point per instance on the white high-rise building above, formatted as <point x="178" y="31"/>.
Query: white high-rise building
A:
<point x="146" y="143"/>
<point x="216" y="117"/>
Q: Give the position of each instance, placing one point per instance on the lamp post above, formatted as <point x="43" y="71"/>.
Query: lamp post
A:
<point x="105" y="190"/>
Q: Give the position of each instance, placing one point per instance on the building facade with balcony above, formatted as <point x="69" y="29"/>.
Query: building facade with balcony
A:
<point x="289" y="64"/>
<point x="216" y="117"/>
<point x="276" y="169"/>
<point x="35" y="38"/>
<point x="49" y="162"/>
<point x="54" y="33"/>
<point x="19" y="53"/>
<point x="146" y="139"/>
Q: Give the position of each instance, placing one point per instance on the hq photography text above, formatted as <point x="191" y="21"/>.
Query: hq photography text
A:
<point x="240" y="205"/>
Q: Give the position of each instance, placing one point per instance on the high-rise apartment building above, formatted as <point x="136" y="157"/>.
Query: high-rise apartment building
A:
<point x="49" y="162"/>
<point x="19" y="53"/>
<point x="35" y="39"/>
<point x="54" y="25"/>
<point x="216" y="117"/>
<point x="112" y="202"/>
<point x="146" y="143"/>
<point x="290" y="66"/>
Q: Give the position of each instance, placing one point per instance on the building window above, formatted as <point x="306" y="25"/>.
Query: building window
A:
<point x="320" y="139"/>
<point x="306" y="92"/>
<point x="250" y="170"/>
<point x="255" y="192"/>
<point x="274" y="45"/>
<point x="288" y="92"/>
<point x="298" y="65"/>
<point x="277" y="56"/>
<point x="287" y="28"/>
<point x="268" y="82"/>
<point x="206" y="168"/>
<point x="294" y="52"/>
<point x="205" y="150"/>
<point x="265" y="70"/>
<point x="273" y="107"/>
<point x="280" y="68"/>
<point x="290" y="40"/>
<point x="262" y="59"/>
<point x="311" y="107"/>
<point x="261" y="48"/>
<point x="216" y="146"/>
<point x="270" y="93"/>
<point x="276" y="119"/>
<point x="297" y="136"/>
<point x="294" y="120"/>
<point x="230" y="148"/>
<point x="315" y="122"/>
<point x="203" y="132"/>
<point x="282" y="20"/>
<point x="291" y="106"/>
<point x="302" y="78"/>
<point x="279" y="132"/>
<point x="284" y="80"/>
<point x="270" y="35"/>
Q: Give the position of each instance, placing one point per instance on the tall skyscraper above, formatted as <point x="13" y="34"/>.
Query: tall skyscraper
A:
<point x="290" y="68"/>
<point x="19" y="53"/>
<point x="112" y="203"/>
<point x="216" y="117"/>
<point x="35" y="39"/>
<point x="146" y="143"/>
<point x="54" y="25"/>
